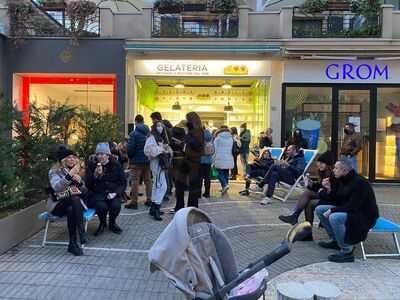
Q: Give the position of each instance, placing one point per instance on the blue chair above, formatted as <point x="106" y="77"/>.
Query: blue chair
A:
<point x="384" y="226"/>
<point x="48" y="217"/>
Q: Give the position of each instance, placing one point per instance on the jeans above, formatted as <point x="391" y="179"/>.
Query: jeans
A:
<point x="353" y="160"/>
<point x="335" y="226"/>
<point x="274" y="175"/>
<point x="223" y="177"/>
<point x="244" y="157"/>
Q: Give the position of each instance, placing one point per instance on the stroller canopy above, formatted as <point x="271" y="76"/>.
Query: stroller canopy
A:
<point x="184" y="250"/>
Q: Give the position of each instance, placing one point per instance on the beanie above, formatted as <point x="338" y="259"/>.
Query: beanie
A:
<point x="327" y="158"/>
<point x="62" y="152"/>
<point x="103" y="148"/>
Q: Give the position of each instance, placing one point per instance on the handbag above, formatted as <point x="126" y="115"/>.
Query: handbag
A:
<point x="164" y="161"/>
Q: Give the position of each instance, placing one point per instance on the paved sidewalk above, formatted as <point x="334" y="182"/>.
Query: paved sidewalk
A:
<point x="116" y="266"/>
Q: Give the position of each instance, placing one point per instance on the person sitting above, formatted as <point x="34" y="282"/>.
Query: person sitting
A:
<point x="349" y="221"/>
<point x="310" y="198"/>
<point x="106" y="182"/>
<point x="67" y="190"/>
<point x="283" y="170"/>
<point x="258" y="168"/>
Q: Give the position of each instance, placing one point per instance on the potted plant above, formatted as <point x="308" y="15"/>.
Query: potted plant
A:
<point x="168" y="6"/>
<point x="222" y="6"/>
<point x="314" y="6"/>
<point x="21" y="16"/>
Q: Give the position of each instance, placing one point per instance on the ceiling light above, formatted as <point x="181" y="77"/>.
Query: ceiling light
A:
<point x="226" y="85"/>
<point x="179" y="85"/>
<point x="176" y="106"/>
<point x="228" y="107"/>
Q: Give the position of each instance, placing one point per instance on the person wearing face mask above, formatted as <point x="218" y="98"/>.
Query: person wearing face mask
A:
<point x="106" y="182"/>
<point x="157" y="150"/>
<point x="351" y="145"/>
<point x="245" y="138"/>
<point x="67" y="190"/>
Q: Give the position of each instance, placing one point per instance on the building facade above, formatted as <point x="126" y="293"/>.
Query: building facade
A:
<point x="269" y="65"/>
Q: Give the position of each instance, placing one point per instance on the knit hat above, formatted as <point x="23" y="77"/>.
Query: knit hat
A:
<point x="103" y="148"/>
<point x="62" y="152"/>
<point x="327" y="158"/>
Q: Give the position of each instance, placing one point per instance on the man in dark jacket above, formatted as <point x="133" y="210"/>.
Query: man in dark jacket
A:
<point x="139" y="163"/>
<point x="106" y="182"/>
<point x="245" y="138"/>
<point x="283" y="170"/>
<point x="347" y="223"/>
<point x="351" y="145"/>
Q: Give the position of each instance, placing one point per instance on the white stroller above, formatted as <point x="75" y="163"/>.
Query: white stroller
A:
<point x="197" y="257"/>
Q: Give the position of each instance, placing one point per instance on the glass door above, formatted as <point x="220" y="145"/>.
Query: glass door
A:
<point x="354" y="107"/>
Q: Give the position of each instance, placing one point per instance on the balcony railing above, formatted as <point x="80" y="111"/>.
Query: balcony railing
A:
<point x="201" y="24"/>
<point x="328" y="24"/>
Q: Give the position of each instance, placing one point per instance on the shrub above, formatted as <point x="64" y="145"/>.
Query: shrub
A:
<point x="314" y="6"/>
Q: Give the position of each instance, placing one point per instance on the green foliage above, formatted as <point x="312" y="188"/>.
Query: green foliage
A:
<point x="11" y="185"/>
<point x="169" y="6"/>
<point x="225" y="6"/>
<point x="314" y="6"/>
<point x="96" y="127"/>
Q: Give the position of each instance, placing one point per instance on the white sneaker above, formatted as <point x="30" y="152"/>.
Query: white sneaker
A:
<point x="225" y="189"/>
<point x="255" y="188"/>
<point x="265" y="201"/>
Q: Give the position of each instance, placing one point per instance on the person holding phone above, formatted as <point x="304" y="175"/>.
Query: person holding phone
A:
<point x="67" y="190"/>
<point x="106" y="182"/>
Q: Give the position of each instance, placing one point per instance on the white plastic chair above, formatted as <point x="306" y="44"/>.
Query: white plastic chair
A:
<point x="309" y="156"/>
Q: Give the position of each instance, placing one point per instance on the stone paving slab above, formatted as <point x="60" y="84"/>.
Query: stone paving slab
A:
<point x="116" y="267"/>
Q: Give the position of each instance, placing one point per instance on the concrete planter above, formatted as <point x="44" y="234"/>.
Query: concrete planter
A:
<point x="18" y="227"/>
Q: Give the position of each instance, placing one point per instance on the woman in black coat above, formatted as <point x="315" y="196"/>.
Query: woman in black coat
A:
<point x="106" y="182"/>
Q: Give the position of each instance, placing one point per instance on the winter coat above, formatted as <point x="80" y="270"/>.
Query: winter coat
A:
<point x="245" y="138"/>
<point x="207" y="159"/>
<point x="351" y="144"/>
<point x="265" y="141"/>
<point x="60" y="181"/>
<point x="112" y="181"/>
<point x="194" y="145"/>
<point x="315" y="186"/>
<point x="223" y="143"/>
<point x="297" y="164"/>
<point x="180" y="168"/>
<point x="136" y="141"/>
<point x="357" y="199"/>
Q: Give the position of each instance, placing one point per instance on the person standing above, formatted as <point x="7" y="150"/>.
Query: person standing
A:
<point x="235" y="151"/>
<point x="106" y="182"/>
<point x="194" y="149"/>
<point x="348" y="222"/>
<point x="205" y="162"/>
<point x="245" y="138"/>
<point x="179" y="165"/>
<point x="223" y="158"/>
<point x="139" y="163"/>
<point x="159" y="153"/>
<point x="351" y="145"/>
<point x="66" y="192"/>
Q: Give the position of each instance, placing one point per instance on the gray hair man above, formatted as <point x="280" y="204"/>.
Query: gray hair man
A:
<point x="355" y="213"/>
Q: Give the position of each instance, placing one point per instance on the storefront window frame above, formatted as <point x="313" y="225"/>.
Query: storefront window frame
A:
<point x="373" y="88"/>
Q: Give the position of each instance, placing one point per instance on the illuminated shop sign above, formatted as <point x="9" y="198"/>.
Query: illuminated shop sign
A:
<point x="202" y="68"/>
<point x="365" y="71"/>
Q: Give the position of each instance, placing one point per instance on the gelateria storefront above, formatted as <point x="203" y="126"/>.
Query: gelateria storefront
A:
<point x="222" y="92"/>
<point x="366" y="93"/>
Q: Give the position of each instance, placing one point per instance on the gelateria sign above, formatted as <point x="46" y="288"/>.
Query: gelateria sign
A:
<point x="342" y="72"/>
<point x="201" y="68"/>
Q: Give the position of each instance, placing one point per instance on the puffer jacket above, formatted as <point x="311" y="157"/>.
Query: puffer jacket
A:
<point x="223" y="143"/>
<point x="136" y="142"/>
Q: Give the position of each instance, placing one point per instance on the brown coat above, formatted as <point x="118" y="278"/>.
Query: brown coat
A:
<point x="351" y="144"/>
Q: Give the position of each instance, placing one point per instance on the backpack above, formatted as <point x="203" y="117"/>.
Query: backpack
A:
<point x="209" y="148"/>
<point x="235" y="149"/>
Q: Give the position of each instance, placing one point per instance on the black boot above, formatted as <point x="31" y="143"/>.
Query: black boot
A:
<point x="290" y="219"/>
<point x="151" y="210"/>
<point x="82" y="233"/>
<point x="148" y="203"/>
<point x="115" y="228"/>
<point x="73" y="246"/>
<point x="100" y="229"/>
<point x="157" y="212"/>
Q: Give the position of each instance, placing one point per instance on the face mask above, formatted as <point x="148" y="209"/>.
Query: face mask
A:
<point x="348" y="131"/>
<point x="159" y="129"/>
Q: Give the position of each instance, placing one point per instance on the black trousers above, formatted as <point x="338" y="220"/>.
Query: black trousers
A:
<point x="194" y="184"/>
<point x="234" y="171"/>
<point x="73" y="209"/>
<point x="205" y="172"/>
<point x="180" y="188"/>
<point x="104" y="206"/>
<point x="276" y="174"/>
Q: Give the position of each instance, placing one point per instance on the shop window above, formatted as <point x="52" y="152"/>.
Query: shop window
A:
<point x="388" y="134"/>
<point x="310" y="103"/>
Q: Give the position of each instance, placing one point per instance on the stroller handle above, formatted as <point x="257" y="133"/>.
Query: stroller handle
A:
<point x="278" y="252"/>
